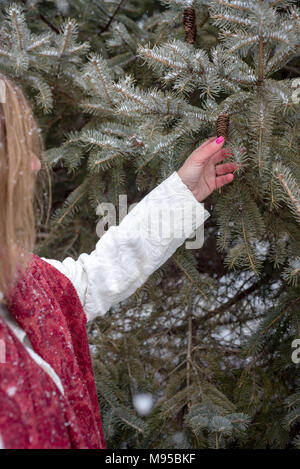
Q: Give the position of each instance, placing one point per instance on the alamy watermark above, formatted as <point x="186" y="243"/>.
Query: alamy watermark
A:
<point x="296" y="353"/>
<point x="161" y="224"/>
<point x="296" y="92"/>
<point x="2" y="352"/>
<point x="2" y="92"/>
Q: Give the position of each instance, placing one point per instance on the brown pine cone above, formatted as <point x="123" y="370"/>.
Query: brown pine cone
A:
<point x="189" y="22"/>
<point x="223" y="125"/>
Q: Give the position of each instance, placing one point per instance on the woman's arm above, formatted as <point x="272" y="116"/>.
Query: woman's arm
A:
<point x="127" y="254"/>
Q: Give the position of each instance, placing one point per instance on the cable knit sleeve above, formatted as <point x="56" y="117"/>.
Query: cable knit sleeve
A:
<point x="127" y="254"/>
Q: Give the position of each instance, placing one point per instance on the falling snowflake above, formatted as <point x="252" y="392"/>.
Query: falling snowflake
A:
<point x="143" y="403"/>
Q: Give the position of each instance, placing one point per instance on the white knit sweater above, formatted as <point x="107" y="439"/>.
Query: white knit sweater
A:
<point x="127" y="254"/>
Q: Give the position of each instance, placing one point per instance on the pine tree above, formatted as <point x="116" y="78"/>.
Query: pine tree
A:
<point x="124" y="92"/>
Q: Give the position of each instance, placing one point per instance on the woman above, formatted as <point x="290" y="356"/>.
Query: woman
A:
<point x="47" y="391"/>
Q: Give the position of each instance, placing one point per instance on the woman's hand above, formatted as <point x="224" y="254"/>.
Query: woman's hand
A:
<point x="200" y="172"/>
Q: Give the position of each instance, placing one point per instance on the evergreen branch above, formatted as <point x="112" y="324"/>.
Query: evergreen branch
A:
<point x="93" y="108"/>
<point x="38" y="43"/>
<point x="231" y="19"/>
<point x="78" y="48"/>
<point x="261" y="55"/>
<point x="70" y="204"/>
<point x="48" y="23"/>
<point x="292" y="417"/>
<point x="121" y="37"/>
<point x="237" y="5"/>
<point x="270" y="324"/>
<point x="44" y="98"/>
<point x="105" y="160"/>
<point x="176" y="17"/>
<point x="247" y="248"/>
<point x="95" y="138"/>
<point x="151" y="55"/>
<point x="164" y="144"/>
<point x="236" y="299"/>
<point x="121" y="417"/>
<point x="276" y="37"/>
<point x="243" y="43"/>
<point x="278" y="2"/>
<point x="234" y="257"/>
<point x="292" y="273"/>
<point x="146" y="162"/>
<point x="66" y="35"/>
<point x="15" y="12"/>
<point x="184" y="58"/>
<point x="293" y="199"/>
<point x="91" y="82"/>
<point x="106" y="27"/>
<point x="95" y="62"/>
<point x="261" y="129"/>
<point x="177" y="401"/>
<point x="280" y="59"/>
<point x="189" y="276"/>
<point x="276" y="314"/>
<point x="45" y="20"/>
<point x="132" y="97"/>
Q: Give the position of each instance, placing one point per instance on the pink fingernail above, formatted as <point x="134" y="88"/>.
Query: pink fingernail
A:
<point x="220" y="139"/>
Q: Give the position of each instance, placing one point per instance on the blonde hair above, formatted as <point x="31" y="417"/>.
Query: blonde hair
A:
<point x="19" y="138"/>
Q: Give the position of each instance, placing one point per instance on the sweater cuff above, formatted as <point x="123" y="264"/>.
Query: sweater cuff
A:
<point x="169" y="214"/>
<point x="189" y="213"/>
<point x="177" y="179"/>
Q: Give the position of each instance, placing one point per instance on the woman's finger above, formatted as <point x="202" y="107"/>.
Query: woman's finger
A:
<point x="197" y="150"/>
<point x="212" y="148"/>
<point x="226" y="168"/>
<point x="223" y="180"/>
<point x="211" y="139"/>
<point x="209" y="150"/>
<point x="221" y="155"/>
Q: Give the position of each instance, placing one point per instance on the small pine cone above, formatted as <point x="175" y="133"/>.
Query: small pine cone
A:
<point x="223" y="125"/>
<point x="189" y="22"/>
